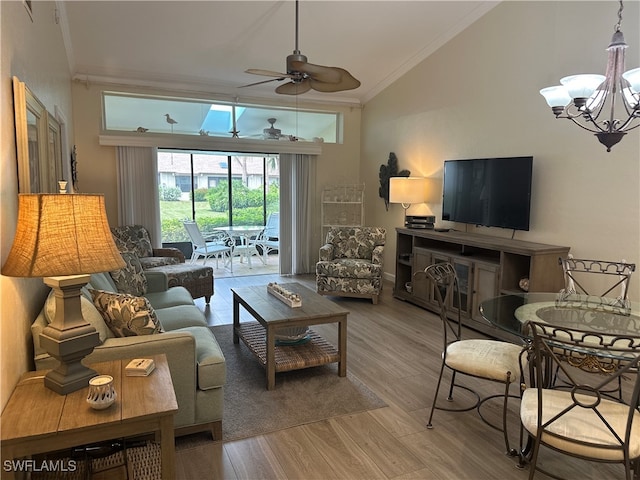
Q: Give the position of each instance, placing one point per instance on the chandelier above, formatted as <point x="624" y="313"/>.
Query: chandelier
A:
<point x="593" y="101"/>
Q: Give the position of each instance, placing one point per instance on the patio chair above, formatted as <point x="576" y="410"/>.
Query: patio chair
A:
<point x="269" y="238"/>
<point x="491" y="360"/>
<point x="217" y="245"/>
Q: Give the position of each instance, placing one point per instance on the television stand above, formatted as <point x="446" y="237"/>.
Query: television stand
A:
<point x="486" y="267"/>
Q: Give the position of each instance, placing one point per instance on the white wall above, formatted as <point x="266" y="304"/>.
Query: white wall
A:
<point x="34" y="52"/>
<point x="478" y="97"/>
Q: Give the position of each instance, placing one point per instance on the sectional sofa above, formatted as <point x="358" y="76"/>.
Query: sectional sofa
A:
<point x="195" y="360"/>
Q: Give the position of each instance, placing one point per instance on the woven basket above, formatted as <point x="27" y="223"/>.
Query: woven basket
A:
<point x="136" y="463"/>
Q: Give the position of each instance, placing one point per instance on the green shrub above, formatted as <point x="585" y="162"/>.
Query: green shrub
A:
<point x="200" y="194"/>
<point x="169" y="194"/>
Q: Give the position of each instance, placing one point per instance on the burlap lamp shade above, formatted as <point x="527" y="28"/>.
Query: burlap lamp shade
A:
<point x="64" y="238"/>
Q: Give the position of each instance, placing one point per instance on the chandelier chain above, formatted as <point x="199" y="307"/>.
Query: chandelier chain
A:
<point x="617" y="27"/>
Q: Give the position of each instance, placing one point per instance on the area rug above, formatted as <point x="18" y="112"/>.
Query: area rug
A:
<point x="300" y="396"/>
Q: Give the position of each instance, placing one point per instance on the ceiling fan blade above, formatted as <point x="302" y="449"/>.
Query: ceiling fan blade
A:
<point x="267" y="73"/>
<point x="347" y="82"/>
<point x="317" y="72"/>
<point x="294" y="88"/>
<point x="263" y="81"/>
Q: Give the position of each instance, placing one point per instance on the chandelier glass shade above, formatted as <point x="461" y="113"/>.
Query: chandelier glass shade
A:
<point x="607" y="105"/>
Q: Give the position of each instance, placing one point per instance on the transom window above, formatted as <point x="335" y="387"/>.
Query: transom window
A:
<point x="186" y="116"/>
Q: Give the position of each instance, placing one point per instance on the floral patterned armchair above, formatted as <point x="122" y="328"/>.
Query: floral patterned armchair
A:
<point x="351" y="262"/>
<point x="135" y="238"/>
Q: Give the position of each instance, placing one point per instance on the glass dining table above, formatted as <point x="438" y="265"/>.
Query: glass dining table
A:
<point x="605" y="317"/>
<point x="596" y="314"/>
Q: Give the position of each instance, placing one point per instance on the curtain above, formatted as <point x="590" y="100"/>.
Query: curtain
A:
<point x="297" y="197"/>
<point x="138" y="201"/>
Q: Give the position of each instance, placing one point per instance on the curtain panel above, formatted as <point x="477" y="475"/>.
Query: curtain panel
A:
<point x="297" y="197"/>
<point x="138" y="199"/>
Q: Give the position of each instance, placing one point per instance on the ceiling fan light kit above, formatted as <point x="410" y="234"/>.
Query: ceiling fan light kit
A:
<point x="583" y="99"/>
<point x="305" y="76"/>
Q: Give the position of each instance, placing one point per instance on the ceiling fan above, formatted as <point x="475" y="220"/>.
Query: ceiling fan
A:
<point x="306" y="76"/>
<point x="272" y="133"/>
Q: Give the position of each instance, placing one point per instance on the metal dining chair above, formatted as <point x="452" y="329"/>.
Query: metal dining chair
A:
<point x="491" y="360"/>
<point x="579" y="273"/>
<point x="582" y="420"/>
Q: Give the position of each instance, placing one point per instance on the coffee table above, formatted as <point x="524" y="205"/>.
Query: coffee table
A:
<point x="272" y="314"/>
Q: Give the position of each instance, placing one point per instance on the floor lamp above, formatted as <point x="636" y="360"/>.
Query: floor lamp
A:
<point x="407" y="191"/>
<point x="64" y="238"/>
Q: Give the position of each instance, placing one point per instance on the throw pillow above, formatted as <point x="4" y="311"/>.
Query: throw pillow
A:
<point x="89" y="313"/>
<point x="126" y="315"/>
<point x="130" y="279"/>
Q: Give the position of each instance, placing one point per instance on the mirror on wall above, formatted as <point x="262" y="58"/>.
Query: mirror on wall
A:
<point x="38" y="143"/>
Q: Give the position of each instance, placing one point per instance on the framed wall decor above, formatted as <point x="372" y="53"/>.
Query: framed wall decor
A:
<point x="38" y="143"/>
<point x="54" y="153"/>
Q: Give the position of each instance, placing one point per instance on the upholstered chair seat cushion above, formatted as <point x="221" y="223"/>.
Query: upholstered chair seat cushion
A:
<point x="170" y="298"/>
<point x="180" y="316"/>
<point x="485" y="358"/>
<point x="151" y="262"/>
<point x="349" y="268"/>
<point x="580" y="424"/>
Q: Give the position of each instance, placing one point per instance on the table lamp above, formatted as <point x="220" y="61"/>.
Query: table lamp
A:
<point x="64" y="238"/>
<point x="408" y="191"/>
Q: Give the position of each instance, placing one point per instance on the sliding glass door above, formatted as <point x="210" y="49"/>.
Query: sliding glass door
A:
<point x="215" y="189"/>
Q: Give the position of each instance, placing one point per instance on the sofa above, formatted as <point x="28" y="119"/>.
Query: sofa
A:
<point x="198" y="279"/>
<point x="195" y="360"/>
<point x="351" y="262"/>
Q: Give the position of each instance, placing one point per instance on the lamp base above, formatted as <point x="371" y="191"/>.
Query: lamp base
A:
<point x="70" y="375"/>
<point x="69" y="338"/>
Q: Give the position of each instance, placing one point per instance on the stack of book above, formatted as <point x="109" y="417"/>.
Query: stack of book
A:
<point x="139" y="367"/>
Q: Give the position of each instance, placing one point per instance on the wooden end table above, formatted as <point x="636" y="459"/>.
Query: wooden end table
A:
<point x="38" y="420"/>
<point x="272" y="314"/>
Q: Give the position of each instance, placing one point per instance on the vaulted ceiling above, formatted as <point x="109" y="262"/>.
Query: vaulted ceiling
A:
<point x="206" y="46"/>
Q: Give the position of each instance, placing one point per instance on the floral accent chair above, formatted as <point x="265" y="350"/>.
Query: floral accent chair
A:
<point x="351" y="263"/>
<point x="136" y="239"/>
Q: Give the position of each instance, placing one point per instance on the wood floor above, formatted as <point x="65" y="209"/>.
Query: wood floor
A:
<point x="394" y="348"/>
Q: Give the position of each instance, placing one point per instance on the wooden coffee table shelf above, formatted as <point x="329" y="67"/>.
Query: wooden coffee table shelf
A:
<point x="272" y="314"/>
<point x="317" y="351"/>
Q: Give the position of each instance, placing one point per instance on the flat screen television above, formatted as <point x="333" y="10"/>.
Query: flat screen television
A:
<point x="492" y="192"/>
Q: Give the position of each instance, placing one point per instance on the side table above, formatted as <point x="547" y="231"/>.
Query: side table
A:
<point x="38" y="420"/>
